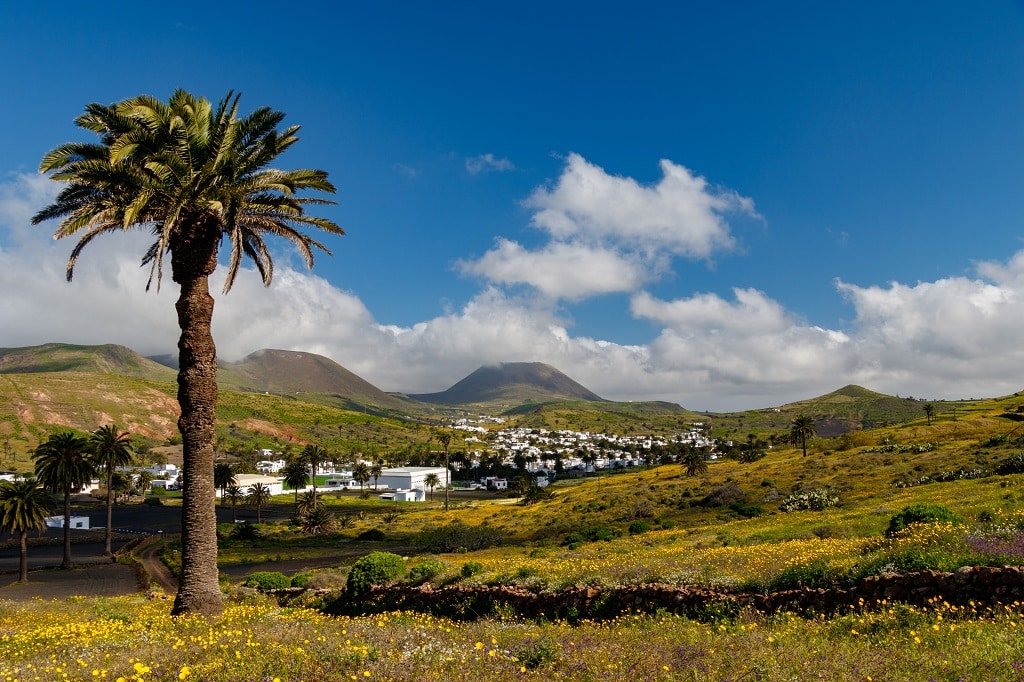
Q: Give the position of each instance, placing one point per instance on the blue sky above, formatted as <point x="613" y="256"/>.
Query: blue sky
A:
<point x="725" y="205"/>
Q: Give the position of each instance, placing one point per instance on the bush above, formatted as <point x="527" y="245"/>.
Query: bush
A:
<point x="268" y="580"/>
<point x="745" y="510"/>
<point x="724" y="495"/>
<point x="376" y="568"/>
<point x="246" y="531"/>
<point x="470" y="568"/>
<point x="425" y="570"/>
<point x="638" y="527"/>
<point x="153" y="501"/>
<point x="457" y="536"/>
<point x="920" y="513"/>
<point x="1011" y="465"/>
<point x="372" y="535"/>
<point x="814" y="500"/>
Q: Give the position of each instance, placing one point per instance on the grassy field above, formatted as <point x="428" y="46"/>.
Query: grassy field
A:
<point x="724" y="529"/>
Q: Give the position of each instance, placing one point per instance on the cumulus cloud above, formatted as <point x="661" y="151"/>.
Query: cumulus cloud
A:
<point x="560" y="270"/>
<point x="595" y="220"/>
<point x="484" y="163"/>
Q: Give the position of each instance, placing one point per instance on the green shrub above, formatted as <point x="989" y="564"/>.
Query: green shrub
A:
<point x="268" y="580"/>
<point x="376" y="568"/>
<point x="301" y="579"/>
<point x="425" y="570"/>
<point x="458" y="536"/>
<point x="747" y="510"/>
<point x="153" y="501"/>
<point x="638" y="527"/>
<point x="470" y="568"/>
<point x="246" y="531"/>
<point x="920" y="513"/>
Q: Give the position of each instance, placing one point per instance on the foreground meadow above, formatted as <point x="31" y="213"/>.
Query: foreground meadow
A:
<point x="134" y="638"/>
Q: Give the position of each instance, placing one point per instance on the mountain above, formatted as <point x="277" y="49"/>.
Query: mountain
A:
<point x="65" y="357"/>
<point x="286" y="372"/>
<point x="511" y="383"/>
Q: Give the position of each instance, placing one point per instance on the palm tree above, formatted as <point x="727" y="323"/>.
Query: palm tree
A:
<point x="145" y="481"/>
<point x="110" y="449"/>
<point x="375" y="471"/>
<point x="296" y="477"/>
<point x="193" y="174"/>
<point x="24" y="506"/>
<point x="307" y="502"/>
<point x="929" y="411"/>
<point x="694" y="461"/>
<point x="258" y="496"/>
<point x="361" y="474"/>
<point x="445" y="439"/>
<point x="313" y="456"/>
<point x="223" y="476"/>
<point x="234" y="495"/>
<point x="801" y="429"/>
<point x="431" y="481"/>
<point x="62" y="467"/>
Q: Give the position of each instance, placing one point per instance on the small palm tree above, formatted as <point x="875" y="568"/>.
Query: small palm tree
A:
<point x="307" y="502"/>
<point x="801" y="429"/>
<point x="694" y="461"/>
<point x="317" y="521"/>
<point x="259" y="496"/>
<point x="313" y="456"/>
<point x="195" y="175"/>
<point x="361" y="474"/>
<point x="145" y="481"/>
<point x="223" y="476"/>
<point x="110" y="449"/>
<point x="445" y="439"/>
<point x="929" y="411"/>
<point x="431" y="481"/>
<point x="24" y="506"/>
<point x="62" y="467"/>
<point x="296" y="477"/>
<point x="234" y="495"/>
<point x="375" y="471"/>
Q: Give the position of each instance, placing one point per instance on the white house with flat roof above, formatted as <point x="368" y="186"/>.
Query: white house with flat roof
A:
<point x="245" y="482"/>
<point x="408" y="478"/>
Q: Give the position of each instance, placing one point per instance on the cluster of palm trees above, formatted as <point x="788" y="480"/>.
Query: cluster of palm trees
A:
<point x="64" y="463"/>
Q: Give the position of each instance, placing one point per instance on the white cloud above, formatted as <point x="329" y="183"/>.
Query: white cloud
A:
<point x="680" y="214"/>
<point x="560" y="270"/>
<point x="611" y="234"/>
<point x="485" y="163"/>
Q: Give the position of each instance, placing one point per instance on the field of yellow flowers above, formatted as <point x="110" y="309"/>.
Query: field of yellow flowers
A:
<point x="134" y="638"/>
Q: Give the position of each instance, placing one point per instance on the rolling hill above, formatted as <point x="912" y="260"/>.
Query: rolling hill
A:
<point x="511" y="384"/>
<point x="65" y="357"/>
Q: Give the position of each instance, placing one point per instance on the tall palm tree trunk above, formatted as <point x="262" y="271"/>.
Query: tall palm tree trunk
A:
<point x="23" y="564"/>
<point x="66" y="561"/>
<point x="107" y="532"/>
<point x="193" y="259"/>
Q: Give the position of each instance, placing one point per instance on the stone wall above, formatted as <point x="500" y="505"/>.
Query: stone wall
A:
<point x="982" y="586"/>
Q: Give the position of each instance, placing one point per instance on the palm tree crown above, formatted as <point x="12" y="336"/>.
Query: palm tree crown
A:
<point x="24" y="506"/>
<point x="63" y="466"/>
<point x="191" y="173"/>
<point x="801" y="429"/>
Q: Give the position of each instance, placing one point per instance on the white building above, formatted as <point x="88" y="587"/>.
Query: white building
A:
<point x="245" y="482"/>
<point x="78" y="522"/>
<point x="408" y="478"/>
<point x="414" y="495"/>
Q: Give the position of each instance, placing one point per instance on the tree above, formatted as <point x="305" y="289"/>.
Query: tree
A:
<point x="223" y="476"/>
<point x="375" y="471"/>
<point x="234" y="495"/>
<point x="24" y="506"/>
<point x="361" y="474"/>
<point x="694" y="461"/>
<point x="258" y="496"/>
<point x="62" y="467"/>
<point x="295" y="477"/>
<point x="445" y="439"/>
<point x="929" y="411"/>
<point x="194" y="175"/>
<point x="800" y="430"/>
<point x="307" y="502"/>
<point x="431" y="481"/>
<point x="313" y="456"/>
<point x="145" y="481"/>
<point x="110" y="449"/>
